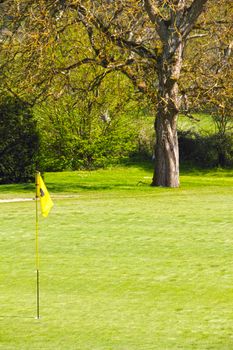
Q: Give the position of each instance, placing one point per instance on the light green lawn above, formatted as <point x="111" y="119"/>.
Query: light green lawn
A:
<point x="123" y="266"/>
<point x="202" y="124"/>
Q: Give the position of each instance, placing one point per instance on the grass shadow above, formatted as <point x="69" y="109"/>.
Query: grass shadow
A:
<point x="147" y="165"/>
<point x="14" y="316"/>
<point x="17" y="188"/>
<point x="213" y="172"/>
<point x="74" y="187"/>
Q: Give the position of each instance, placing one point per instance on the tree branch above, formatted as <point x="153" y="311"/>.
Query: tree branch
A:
<point x="76" y="64"/>
<point x="138" y="48"/>
<point x="155" y="17"/>
<point x="195" y="36"/>
<point x="151" y="10"/>
<point x="96" y="21"/>
<point x="191" y="15"/>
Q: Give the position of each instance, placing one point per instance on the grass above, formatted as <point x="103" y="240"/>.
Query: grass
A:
<point x="202" y="124"/>
<point x="123" y="266"/>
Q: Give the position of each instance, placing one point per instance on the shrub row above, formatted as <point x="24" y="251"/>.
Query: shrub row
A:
<point x="214" y="150"/>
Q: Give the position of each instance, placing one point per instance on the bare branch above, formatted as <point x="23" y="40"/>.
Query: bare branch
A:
<point x="76" y="64"/>
<point x="191" y="15"/>
<point x="151" y="10"/>
<point x="138" y="48"/>
<point x="155" y="17"/>
<point x="195" y="36"/>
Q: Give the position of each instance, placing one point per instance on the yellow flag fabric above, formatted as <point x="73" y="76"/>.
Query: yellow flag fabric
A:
<point x="46" y="202"/>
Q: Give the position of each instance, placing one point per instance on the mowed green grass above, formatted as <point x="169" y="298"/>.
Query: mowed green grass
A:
<point x="123" y="266"/>
<point x="202" y="124"/>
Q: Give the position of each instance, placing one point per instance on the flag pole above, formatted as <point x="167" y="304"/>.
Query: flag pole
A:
<point x="37" y="249"/>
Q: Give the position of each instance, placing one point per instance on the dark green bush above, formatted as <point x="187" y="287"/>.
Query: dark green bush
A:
<point x="206" y="151"/>
<point x="19" y="141"/>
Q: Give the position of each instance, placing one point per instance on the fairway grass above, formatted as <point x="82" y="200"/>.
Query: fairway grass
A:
<point x="123" y="266"/>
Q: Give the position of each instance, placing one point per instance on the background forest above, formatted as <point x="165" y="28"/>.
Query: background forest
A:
<point x="70" y="100"/>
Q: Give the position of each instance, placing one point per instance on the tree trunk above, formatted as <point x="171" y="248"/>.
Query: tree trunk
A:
<point x="166" y="172"/>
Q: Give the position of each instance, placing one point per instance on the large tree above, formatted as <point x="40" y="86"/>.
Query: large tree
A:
<point x="173" y="30"/>
<point x="145" y="40"/>
<point x="154" y="33"/>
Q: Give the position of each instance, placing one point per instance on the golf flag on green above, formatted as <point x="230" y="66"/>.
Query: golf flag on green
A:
<point x="46" y="202"/>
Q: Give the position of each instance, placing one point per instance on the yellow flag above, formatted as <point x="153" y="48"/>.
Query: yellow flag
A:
<point x="46" y="202"/>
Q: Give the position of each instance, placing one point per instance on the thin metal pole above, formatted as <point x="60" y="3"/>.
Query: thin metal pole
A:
<point x="37" y="251"/>
<point x="37" y="294"/>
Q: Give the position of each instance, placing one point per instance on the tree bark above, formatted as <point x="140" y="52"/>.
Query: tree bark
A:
<point x="166" y="173"/>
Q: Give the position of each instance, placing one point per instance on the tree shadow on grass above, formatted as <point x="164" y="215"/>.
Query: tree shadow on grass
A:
<point x="74" y="187"/>
<point x="147" y="165"/>
<point x="17" y="188"/>
<point x="213" y="172"/>
<point x="16" y="316"/>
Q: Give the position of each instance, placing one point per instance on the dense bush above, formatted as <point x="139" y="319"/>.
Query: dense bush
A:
<point x="19" y="141"/>
<point x="72" y="139"/>
<point x="75" y="153"/>
<point x="206" y="150"/>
